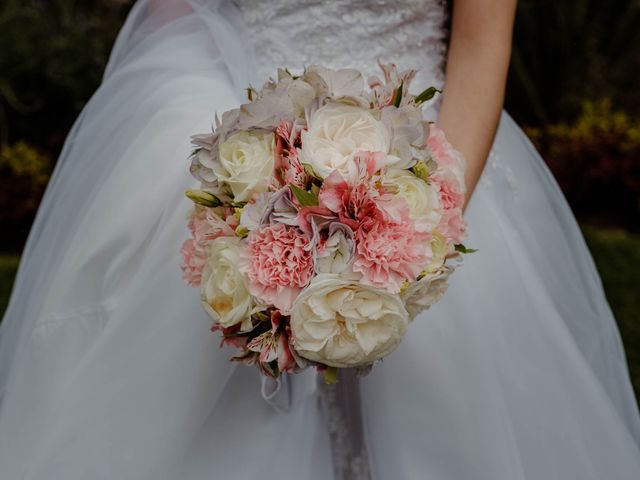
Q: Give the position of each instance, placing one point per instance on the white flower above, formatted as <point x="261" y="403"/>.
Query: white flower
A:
<point x="440" y="248"/>
<point x="420" y="295"/>
<point x="408" y="134"/>
<point x="423" y="198"/>
<point x="245" y="163"/>
<point x="336" y="253"/>
<point x="341" y="323"/>
<point x="336" y="132"/>
<point x="223" y="292"/>
<point x="345" y="82"/>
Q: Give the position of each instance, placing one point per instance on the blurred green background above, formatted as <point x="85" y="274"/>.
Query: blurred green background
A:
<point x="573" y="86"/>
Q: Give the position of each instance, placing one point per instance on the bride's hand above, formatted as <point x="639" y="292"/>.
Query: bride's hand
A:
<point x="476" y="72"/>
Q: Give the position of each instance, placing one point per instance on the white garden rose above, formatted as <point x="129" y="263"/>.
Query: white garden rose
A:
<point x="223" y="291"/>
<point x="246" y="161"/>
<point x="336" y="132"/>
<point x="423" y="199"/>
<point x="419" y="296"/>
<point x="341" y="323"/>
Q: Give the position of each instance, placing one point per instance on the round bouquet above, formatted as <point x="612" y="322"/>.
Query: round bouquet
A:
<point x="326" y="219"/>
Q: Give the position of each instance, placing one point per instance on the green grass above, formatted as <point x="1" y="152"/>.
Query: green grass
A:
<point x="617" y="255"/>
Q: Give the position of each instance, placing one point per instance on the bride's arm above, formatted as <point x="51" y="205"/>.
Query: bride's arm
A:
<point x="476" y="72"/>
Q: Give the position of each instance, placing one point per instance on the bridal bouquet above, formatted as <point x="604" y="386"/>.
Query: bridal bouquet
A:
<point x="327" y="218"/>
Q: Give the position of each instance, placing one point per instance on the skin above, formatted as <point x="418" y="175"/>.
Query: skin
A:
<point x="476" y="74"/>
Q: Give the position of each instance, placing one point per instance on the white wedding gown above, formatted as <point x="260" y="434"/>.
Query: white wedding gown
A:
<point x="107" y="366"/>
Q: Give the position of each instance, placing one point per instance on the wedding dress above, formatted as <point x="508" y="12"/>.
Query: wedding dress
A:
<point x="107" y="366"/>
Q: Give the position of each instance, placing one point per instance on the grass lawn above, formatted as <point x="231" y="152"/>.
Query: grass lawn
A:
<point x="617" y="255"/>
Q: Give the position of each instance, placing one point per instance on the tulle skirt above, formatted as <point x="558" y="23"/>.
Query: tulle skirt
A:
<point x="108" y="369"/>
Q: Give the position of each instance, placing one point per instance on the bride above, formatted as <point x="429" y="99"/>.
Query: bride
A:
<point x="107" y="366"/>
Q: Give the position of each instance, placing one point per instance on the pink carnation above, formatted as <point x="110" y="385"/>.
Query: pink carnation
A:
<point x="205" y="225"/>
<point x="277" y="263"/>
<point x="449" y="178"/>
<point x="389" y="252"/>
<point x="193" y="260"/>
<point x="452" y="224"/>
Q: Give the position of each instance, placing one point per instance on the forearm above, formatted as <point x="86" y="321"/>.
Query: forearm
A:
<point x="476" y="73"/>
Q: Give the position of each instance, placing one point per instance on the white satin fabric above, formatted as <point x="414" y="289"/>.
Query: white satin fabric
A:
<point x="108" y="369"/>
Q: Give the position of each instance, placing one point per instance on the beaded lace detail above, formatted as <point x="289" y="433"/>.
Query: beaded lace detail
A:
<point x="348" y="33"/>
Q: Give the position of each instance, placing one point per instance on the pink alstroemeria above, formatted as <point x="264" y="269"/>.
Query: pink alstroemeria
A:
<point x="287" y="168"/>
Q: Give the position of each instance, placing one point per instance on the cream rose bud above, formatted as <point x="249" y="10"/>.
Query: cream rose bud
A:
<point x="246" y="161"/>
<point x="341" y="323"/>
<point x="440" y="248"/>
<point x="223" y="291"/>
<point x="336" y="132"/>
<point x="420" y="295"/>
<point x="423" y="198"/>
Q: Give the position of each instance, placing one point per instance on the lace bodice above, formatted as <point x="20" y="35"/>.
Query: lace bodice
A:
<point x="348" y="33"/>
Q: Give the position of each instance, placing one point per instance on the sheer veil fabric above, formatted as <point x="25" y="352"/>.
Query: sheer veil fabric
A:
<point x="108" y="369"/>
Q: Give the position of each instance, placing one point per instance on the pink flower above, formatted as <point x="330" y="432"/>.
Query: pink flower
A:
<point x="193" y="260"/>
<point x="286" y="361"/>
<point x="356" y="205"/>
<point x="288" y="168"/>
<point x="390" y="252"/>
<point x="277" y="263"/>
<point x="382" y="94"/>
<point x="205" y="225"/>
<point x="449" y="178"/>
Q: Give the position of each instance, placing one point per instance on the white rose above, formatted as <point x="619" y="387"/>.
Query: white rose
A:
<point x="336" y="132"/>
<point x="342" y="323"/>
<point x="423" y="199"/>
<point x="223" y="292"/>
<point x="420" y="295"/>
<point x="246" y="163"/>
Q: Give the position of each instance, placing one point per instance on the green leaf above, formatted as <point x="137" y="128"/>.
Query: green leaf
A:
<point x="308" y="169"/>
<point x="331" y="376"/>
<point x="397" y="97"/>
<point x="203" y="197"/>
<point x="462" y="249"/>
<point x="306" y="199"/>
<point x="426" y="95"/>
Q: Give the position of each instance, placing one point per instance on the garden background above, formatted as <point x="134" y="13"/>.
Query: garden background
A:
<point x="573" y="86"/>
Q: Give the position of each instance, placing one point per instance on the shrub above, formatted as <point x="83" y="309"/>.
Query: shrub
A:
<point x="24" y="172"/>
<point x="596" y="161"/>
